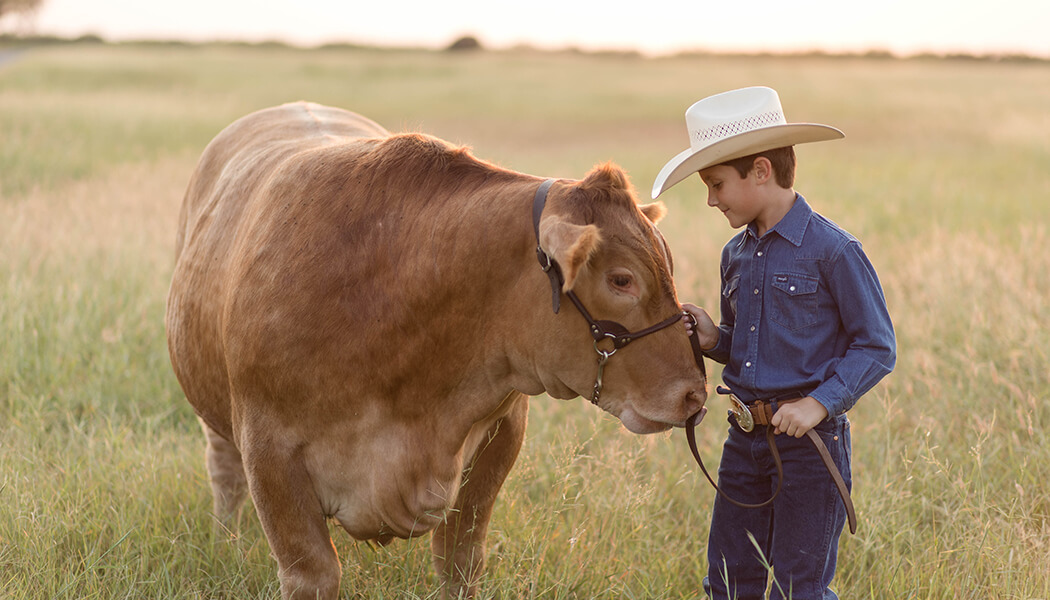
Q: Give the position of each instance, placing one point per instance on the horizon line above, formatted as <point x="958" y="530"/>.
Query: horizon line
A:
<point x="873" y="52"/>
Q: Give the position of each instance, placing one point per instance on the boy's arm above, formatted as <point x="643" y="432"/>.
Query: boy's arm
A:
<point x="719" y="350"/>
<point x="872" y="352"/>
<point x="715" y="341"/>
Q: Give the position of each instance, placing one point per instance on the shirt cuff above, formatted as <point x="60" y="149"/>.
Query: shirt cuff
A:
<point x="834" y="396"/>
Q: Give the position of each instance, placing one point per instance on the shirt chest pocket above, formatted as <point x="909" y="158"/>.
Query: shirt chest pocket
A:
<point x="794" y="300"/>
<point x="729" y="292"/>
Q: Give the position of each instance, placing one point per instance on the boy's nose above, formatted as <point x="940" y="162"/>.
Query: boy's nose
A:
<point x="711" y="201"/>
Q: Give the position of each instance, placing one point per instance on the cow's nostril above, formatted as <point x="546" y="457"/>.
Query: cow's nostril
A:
<point x="694" y="400"/>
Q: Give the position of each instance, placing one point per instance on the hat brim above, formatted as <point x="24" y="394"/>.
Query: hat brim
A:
<point x="750" y="142"/>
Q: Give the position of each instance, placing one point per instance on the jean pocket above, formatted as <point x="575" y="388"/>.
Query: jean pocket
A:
<point x="794" y="301"/>
<point x="835" y="433"/>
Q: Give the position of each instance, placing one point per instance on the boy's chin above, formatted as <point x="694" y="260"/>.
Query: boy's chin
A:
<point x="735" y="223"/>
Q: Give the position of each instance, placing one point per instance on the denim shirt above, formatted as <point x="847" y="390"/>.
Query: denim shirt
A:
<point x="802" y="311"/>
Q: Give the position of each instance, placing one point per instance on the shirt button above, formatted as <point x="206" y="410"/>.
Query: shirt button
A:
<point x="752" y="328"/>
<point x="760" y="253"/>
<point x="756" y="291"/>
<point x="747" y="364"/>
<point x="791" y="289"/>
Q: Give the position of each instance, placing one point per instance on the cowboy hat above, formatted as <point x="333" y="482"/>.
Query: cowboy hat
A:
<point x="734" y="124"/>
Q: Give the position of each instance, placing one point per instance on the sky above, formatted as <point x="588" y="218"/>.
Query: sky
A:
<point x="650" y="26"/>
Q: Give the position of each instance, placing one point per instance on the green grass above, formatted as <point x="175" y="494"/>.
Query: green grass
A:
<point x="944" y="175"/>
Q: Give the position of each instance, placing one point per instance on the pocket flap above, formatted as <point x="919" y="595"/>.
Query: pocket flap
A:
<point x="730" y="286"/>
<point x="795" y="284"/>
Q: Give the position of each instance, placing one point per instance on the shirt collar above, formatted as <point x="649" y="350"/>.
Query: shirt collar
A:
<point x="793" y="226"/>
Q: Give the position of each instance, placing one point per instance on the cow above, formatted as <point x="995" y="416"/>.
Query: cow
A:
<point x="358" y="319"/>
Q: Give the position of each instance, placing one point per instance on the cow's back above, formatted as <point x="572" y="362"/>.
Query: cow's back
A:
<point x="234" y="164"/>
<point x="233" y="170"/>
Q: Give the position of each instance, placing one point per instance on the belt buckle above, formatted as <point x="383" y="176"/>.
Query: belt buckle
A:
<point x="738" y="409"/>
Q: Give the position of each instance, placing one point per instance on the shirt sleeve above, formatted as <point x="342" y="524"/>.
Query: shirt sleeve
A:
<point x="720" y="353"/>
<point x="872" y="351"/>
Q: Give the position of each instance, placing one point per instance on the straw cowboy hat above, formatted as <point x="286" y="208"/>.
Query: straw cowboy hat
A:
<point x="735" y="124"/>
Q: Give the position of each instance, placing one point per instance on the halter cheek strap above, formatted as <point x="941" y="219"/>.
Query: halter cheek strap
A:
<point x="547" y="263"/>
<point x="619" y="335"/>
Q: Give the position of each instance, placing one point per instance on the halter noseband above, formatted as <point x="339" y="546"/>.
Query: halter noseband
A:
<point x="601" y="330"/>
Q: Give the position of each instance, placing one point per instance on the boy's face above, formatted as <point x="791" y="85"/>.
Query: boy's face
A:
<point x="736" y="197"/>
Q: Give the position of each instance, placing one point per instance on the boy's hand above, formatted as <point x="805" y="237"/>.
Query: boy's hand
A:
<point x="796" y="418"/>
<point x="705" y="327"/>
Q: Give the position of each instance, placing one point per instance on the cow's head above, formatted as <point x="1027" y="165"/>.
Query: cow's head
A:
<point x="617" y="263"/>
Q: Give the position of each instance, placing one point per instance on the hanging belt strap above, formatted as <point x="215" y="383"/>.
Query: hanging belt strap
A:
<point x="761" y="413"/>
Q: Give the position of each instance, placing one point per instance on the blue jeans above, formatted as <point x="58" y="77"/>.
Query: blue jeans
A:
<point x="797" y="535"/>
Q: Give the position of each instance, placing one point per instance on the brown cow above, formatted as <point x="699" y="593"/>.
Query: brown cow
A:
<point x="358" y="318"/>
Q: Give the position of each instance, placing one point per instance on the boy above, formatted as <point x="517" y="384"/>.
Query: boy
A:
<point x="804" y="329"/>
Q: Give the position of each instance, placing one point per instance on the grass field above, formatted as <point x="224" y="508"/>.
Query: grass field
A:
<point x="945" y="176"/>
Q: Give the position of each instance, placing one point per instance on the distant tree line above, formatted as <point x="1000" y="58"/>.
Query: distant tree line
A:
<point x="467" y="42"/>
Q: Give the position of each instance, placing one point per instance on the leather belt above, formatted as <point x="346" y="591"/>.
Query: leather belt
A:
<point x="760" y="412"/>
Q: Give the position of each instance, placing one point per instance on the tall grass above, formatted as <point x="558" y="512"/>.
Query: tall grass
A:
<point x="944" y="175"/>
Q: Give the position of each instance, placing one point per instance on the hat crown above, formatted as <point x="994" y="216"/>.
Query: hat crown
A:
<point x="731" y="113"/>
<point x="735" y="124"/>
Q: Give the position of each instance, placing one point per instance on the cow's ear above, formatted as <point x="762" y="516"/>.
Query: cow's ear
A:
<point x="654" y="212"/>
<point x="569" y="244"/>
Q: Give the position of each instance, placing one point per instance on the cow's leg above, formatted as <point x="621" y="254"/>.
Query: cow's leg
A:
<point x="459" y="542"/>
<point x="228" y="485"/>
<point x="291" y="516"/>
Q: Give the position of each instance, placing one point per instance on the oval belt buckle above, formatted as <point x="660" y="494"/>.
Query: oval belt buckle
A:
<point x="743" y="416"/>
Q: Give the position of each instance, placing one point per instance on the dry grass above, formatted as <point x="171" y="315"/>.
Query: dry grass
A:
<point x="944" y="176"/>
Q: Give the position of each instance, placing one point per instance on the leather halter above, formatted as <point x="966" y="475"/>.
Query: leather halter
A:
<point x="600" y="330"/>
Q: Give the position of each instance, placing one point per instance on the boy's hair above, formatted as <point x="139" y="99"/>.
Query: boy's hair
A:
<point x="782" y="159"/>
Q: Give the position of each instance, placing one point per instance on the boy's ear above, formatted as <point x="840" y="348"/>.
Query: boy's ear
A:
<point x="763" y="169"/>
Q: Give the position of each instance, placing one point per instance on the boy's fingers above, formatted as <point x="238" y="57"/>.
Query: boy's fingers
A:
<point x="782" y="424"/>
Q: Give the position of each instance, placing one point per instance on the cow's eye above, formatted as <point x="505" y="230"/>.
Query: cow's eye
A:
<point x="621" y="281"/>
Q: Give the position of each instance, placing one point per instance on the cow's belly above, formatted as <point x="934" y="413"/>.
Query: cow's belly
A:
<point x="385" y="479"/>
